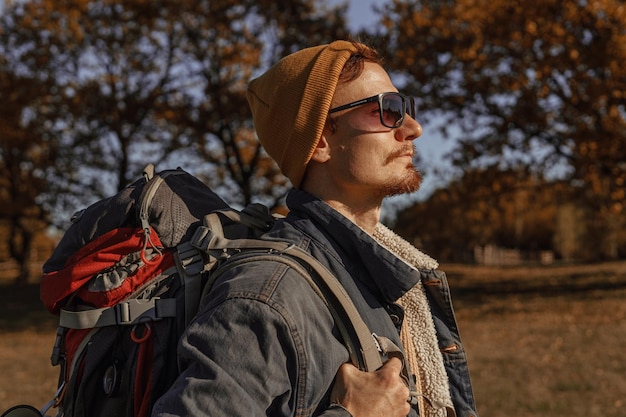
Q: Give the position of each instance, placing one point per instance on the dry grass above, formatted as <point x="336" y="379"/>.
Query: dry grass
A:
<point x="545" y="341"/>
<point x="541" y="341"/>
<point x="27" y="333"/>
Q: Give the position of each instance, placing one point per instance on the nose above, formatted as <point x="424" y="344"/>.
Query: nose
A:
<point x="410" y="129"/>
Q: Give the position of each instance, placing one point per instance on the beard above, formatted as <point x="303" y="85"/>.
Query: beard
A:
<point x="409" y="183"/>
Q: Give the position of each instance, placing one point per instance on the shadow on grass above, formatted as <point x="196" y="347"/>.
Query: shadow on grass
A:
<point x="603" y="282"/>
<point x="21" y="308"/>
<point x="539" y="288"/>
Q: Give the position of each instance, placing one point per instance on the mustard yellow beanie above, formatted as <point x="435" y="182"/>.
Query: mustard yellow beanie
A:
<point x="290" y="103"/>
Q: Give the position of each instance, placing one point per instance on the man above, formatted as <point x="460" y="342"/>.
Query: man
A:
<point x="264" y="344"/>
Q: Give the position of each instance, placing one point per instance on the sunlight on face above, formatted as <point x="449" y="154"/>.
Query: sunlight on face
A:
<point x="366" y="156"/>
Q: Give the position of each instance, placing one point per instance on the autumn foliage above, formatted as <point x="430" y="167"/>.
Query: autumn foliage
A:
<point x="532" y="85"/>
<point x="95" y="89"/>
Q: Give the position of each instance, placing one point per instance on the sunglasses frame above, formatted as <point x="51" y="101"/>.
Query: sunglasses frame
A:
<point x="407" y="104"/>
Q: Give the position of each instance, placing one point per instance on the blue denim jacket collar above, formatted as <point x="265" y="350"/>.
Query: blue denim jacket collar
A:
<point x="389" y="276"/>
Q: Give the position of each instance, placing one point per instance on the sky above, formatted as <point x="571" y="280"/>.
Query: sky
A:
<point x="430" y="146"/>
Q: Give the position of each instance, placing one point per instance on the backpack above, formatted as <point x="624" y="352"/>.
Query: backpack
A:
<point x="128" y="275"/>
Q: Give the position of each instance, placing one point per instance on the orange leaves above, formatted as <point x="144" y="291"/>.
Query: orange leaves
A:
<point x="516" y="75"/>
<point x="531" y="28"/>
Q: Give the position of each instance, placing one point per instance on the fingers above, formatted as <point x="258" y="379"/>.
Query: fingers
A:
<point x="380" y="393"/>
<point x="392" y="365"/>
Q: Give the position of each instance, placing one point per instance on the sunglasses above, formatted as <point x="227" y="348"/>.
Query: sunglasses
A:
<point x="392" y="107"/>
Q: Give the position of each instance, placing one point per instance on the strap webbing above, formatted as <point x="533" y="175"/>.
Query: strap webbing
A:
<point x="190" y="264"/>
<point x="125" y="313"/>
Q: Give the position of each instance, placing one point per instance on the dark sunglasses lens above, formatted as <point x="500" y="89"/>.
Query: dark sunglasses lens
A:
<point x="391" y="110"/>
<point x="412" y="107"/>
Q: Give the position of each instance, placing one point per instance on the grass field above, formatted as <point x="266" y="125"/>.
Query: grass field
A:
<point x="541" y="341"/>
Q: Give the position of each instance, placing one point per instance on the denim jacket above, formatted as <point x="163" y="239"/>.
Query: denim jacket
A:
<point x="264" y="344"/>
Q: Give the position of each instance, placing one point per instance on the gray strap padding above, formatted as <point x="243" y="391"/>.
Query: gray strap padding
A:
<point x="128" y="312"/>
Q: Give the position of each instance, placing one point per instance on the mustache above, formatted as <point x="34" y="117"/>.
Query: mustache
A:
<point x="405" y="150"/>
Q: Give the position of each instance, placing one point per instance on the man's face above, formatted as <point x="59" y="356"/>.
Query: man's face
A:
<point x="365" y="156"/>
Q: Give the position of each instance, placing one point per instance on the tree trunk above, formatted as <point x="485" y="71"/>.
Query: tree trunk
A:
<point x="20" y="247"/>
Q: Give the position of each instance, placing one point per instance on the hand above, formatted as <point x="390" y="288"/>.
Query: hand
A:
<point x="382" y="393"/>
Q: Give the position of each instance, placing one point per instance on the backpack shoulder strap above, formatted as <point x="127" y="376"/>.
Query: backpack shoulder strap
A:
<point x="362" y="345"/>
<point x="366" y="350"/>
<point x="209" y="239"/>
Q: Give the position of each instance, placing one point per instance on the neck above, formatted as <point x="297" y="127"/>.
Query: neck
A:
<point x="358" y="203"/>
<point x="355" y="206"/>
<point x="364" y="217"/>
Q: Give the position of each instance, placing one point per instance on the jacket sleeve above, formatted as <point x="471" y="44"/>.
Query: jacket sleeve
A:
<point x="239" y="361"/>
<point x="250" y="355"/>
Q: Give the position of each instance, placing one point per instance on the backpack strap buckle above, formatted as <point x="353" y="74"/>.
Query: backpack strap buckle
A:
<point x="125" y="313"/>
<point x="128" y="311"/>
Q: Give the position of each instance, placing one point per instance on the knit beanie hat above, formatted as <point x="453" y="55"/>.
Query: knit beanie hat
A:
<point x="290" y="103"/>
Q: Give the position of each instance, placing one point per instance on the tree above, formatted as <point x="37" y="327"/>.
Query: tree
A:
<point x="114" y="85"/>
<point x="228" y="46"/>
<point x="24" y="159"/>
<point x="145" y="82"/>
<point x="535" y="82"/>
<point x="513" y="209"/>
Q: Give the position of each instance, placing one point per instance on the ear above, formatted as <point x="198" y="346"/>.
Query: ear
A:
<point x="321" y="153"/>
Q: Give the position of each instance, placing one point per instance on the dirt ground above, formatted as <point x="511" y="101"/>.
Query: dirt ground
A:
<point x="541" y="341"/>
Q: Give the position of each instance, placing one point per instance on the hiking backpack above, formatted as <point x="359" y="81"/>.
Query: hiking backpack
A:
<point x="127" y="278"/>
